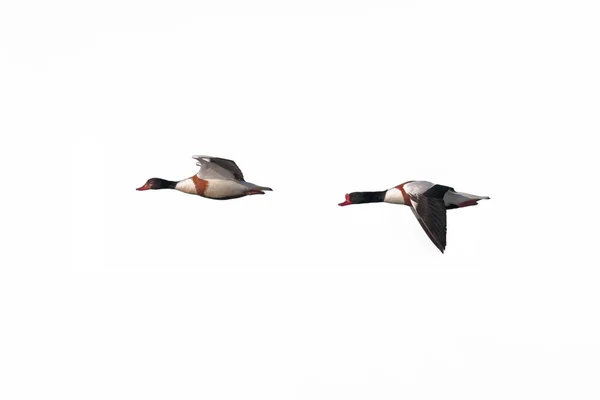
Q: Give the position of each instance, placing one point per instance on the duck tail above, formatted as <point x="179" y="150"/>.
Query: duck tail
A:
<point x="252" y="186"/>
<point x="459" y="200"/>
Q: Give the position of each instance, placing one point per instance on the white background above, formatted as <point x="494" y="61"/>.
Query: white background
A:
<point x="109" y="293"/>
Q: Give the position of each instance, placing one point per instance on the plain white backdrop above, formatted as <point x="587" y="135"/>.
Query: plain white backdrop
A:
<point x="109" y="293"/>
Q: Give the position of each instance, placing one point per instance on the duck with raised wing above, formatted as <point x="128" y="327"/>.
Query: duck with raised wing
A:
<point x="427" y="201"/>
<point x="218" y="178"/>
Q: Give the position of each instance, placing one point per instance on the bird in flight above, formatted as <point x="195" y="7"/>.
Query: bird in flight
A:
<point x="428" y="202"/>
<point x="218" y="178"/>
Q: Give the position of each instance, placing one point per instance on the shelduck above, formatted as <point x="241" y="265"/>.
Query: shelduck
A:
<point x="218" y="178"/>
<point x="428" y="202"/>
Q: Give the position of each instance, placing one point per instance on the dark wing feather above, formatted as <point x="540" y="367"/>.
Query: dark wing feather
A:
<point x="431" y="214"/>
<point x="437" y="191"/>
<point x="229" y="165"/>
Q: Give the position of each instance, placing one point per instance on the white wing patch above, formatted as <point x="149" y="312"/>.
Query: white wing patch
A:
<point x="417" y="187"/>
<point x="209" y="170"/>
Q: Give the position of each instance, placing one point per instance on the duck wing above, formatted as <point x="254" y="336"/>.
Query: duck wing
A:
<point x="218" y="168"/>
<point x="430" y="211"/>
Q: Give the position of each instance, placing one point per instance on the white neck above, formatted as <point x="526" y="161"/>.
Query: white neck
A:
<point x="394" y="196"/>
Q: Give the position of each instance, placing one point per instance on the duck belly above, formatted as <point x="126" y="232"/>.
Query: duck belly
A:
<point x="224" y="189"/>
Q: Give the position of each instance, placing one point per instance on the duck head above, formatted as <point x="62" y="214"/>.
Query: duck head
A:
<point x="157" y="183"/>
<point x="363" y="197"/>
